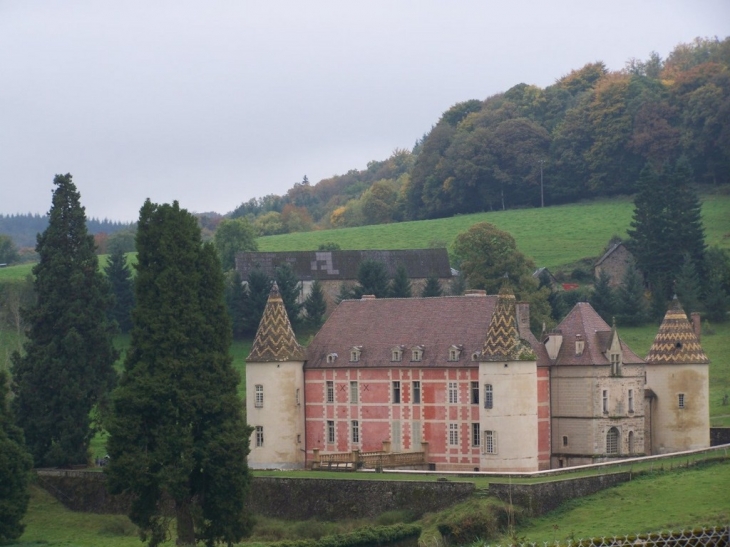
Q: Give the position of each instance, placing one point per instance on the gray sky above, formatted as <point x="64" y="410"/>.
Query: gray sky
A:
<point x="215" y="102"/>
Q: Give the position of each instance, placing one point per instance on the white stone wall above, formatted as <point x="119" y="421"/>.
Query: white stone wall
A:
<point x="281" y="416"/>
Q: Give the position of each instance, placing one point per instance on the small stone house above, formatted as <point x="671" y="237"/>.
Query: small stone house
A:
<point x="615" y="262"/>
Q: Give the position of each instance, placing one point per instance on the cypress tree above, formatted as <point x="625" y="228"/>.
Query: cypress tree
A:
<point x="315" y="305"/>
<point x="631" y="305"/>
<point x="177" y="425"/>
<point x="432" y="287"/>
<point x="290" y="289"/>
<point x="602" y="298"/>
<point x="120" y="278"/>
<point x="400" y="287"/>
<point x="15" y="466"/>
<point x="67" y="366"/>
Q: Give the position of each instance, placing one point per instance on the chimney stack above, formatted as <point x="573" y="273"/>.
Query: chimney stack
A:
<point x="696" y="324"/>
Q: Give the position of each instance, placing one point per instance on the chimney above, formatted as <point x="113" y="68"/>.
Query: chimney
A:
<point x="696" y="324"/>
<point x="522" y="309"/>
<point x="579" y="344"/>
<point x="553" y="342"/>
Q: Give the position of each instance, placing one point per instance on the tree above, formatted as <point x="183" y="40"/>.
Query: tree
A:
<point x="716" y="301"/>
<point x="290" y="289"/>
<point x="432" y="287"/>
<point x="372" y="278"/>
<point x="66" y="369"/>
<point x="120" y="278"/>
<point x="687" y="285"/>
<point x="602" y="298"/>
<point x="8" y="251"/>
<point x="15" y="466"/>
<point x="177" y="426"/>
<point x="315" y="305"/>
<point x="238" y="301"/>
<point x="400" y="286"/>
<point x="631" y="304"/>
<point x="488" y="258"/>
<point x="234" y="236"/>
<point x="259" y="286"/>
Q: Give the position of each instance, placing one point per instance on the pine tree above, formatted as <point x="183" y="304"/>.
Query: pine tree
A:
<point x="631" y="304"/>
<point x="15" y="466"/>
<point x="687" y="285"/>
<point x="259" y="285"/>
<point x="716" y="301"/>
<point x="290" y="289"/>
<point x="457" y="287"/>
<point x="238" y="301"/>
<point x="400" y="286"/>
<point x="346" y="292"/>
<point x="120" y="278"/>
<point x="372" y="278"/>
<point x="67" y="366"/>
<point x="432" y="287"/>
<point x="602" y="298"/>
<point x="315" y="305"/>
<point x="177" y="426"/>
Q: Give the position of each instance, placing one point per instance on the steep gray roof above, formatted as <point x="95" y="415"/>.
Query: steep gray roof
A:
<point x="343" y="265"/>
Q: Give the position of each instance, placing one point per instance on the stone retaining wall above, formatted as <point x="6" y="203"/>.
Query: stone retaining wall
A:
<point x="719" y="435"/>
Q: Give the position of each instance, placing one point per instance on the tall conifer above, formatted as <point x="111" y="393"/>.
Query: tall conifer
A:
<point x="177" y="425"/>
<point x="315" y="305"/>
<point x="120" y="279"/>
<point x="67" y="366"/>
<point x="400" y="286"/>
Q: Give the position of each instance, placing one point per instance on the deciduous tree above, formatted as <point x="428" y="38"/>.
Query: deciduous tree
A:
<point x="234" y="236"/>
<point x="8" y="251"/>
<point x="177" y="426"/>
<point x="66" y="368"/>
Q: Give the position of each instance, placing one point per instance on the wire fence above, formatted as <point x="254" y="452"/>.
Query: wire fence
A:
<point x="718" y="536"/>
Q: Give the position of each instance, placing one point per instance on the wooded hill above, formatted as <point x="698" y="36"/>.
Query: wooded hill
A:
<point x="587" y="136"/>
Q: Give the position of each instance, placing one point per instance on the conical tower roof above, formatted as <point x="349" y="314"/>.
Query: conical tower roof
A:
<point x="676" y="342"/>
<point x="503" y="341"/>
<point x="275" y="340"/>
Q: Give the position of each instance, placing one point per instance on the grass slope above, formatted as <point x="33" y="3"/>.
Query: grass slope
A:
<point x="553" y="236"/>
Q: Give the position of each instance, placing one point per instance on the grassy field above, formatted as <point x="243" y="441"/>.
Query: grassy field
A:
<point x="553" y="236"/>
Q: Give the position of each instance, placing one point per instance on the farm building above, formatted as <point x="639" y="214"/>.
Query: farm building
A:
<point x="460" y="383"/>
<point x="333" y="268"/>
<point x="615" y="262"/>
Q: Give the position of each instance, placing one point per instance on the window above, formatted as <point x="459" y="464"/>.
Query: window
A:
<point x="416" y="392"/>
<point x="353" y="392"/>
<point x="454" y="434"/>
<point x="565" y="440"/>
<point x="259" y="436"/>
<point x="490" y="442"/>
<point x="476" y="438"/>
<point x="330" y="431"/>
<point x="475" y="393"/>
<point x="612" y="441"/>
<point x="605" y="401"/>
<point x="396" y="354"/>
<point x="475" y="356"/>
<point x="631" y="400"/>
<point x="396" y="392"/>
<point x="355" y="354"/>
<point x="330" y="391"/>
<point x="331" y="357"/>
<point x="298" y="400"/>
<point x="488" y="396"/>
<point x="453" y="393"/>
<point x="259" y="397"/>
<point x="355" y="431"/>
<point x="681" y="400"/>
<point x="416" y="434"/>
<point x="416" y="353"/>
<point x="454" y="353"/>
<point x="615" y="362"/>
<point x="395" y="437"/>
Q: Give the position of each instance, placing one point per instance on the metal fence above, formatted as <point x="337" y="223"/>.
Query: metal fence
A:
<point x="718" y="536"/>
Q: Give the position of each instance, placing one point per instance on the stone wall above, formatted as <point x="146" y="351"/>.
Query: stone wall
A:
<point x="296" y="499"/>
<point x="538" y="499"/>
<point x="719" y="435"/>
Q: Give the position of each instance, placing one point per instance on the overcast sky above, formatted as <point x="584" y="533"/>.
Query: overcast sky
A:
<point x="215" y="102"/>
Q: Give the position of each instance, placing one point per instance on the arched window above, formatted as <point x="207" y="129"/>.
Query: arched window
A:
<point x="631" y="442"/>
<point x="612" y="441"/>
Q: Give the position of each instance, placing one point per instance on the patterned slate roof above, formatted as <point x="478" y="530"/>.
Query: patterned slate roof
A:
<point x="583" y="320"/>
<point x="503" y="342"/>
<point x="343" y="265"/>
<point x="676" y="341"/>
<point x="275" y="340"/>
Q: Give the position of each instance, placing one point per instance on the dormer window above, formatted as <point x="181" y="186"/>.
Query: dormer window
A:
<point x="475" y="356"/>
<point x="454" y="353"/>
<point x="355" y="354"/>
<point x="579" y="344"/>
<point x="396" y="354"/>
<point x="615" y="364"/>
<point x="417" y="353"/>
<point x="331" y="357"/>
